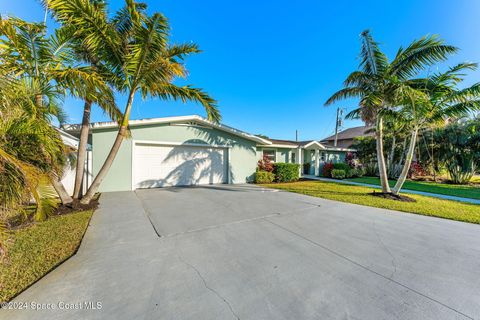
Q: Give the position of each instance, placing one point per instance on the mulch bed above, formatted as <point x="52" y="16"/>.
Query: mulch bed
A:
<point x="75" y="207"/>
<point x="391" y="196"/>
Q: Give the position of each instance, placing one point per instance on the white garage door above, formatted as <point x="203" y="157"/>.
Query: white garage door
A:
<point x="161" y="166"/>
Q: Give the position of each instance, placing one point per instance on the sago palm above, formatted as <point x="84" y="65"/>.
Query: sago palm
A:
<point x="380" y="83"/>
<point x="135" y="48"/>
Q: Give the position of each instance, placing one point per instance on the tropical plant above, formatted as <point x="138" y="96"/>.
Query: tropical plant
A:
<point x="339" y="174"/>
<point x="382" y="85"/>
<point x="459" y="149"/>
<point x="443" y="102"/>
<point x="264" y="177"/>
<point x="45" y="69"/>
<point x="135" y="47"/>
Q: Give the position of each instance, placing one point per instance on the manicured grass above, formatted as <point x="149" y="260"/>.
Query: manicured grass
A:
<point x="359" y="195"/>
<point x="465" y="191"/>
<point x="36" y="249"/>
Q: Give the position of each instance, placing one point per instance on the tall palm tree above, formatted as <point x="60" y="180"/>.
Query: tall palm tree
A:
<point x="380" y="84"/>
<point x="444" y="100"/>
<point x="48" y="67"/>
<point x="135" y="47"/>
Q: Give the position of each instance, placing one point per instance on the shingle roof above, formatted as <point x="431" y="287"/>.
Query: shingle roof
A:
<point x="351" y="133"/>
<point x="285" y="142"/>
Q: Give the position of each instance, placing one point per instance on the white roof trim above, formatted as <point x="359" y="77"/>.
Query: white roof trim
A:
<point x="313" y="142"/>
<point x="198" y="119"/>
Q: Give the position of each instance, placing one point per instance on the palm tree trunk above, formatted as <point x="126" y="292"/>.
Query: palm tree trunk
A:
<point x="82" y="149"/>
<point x="122" y="131"/>
<point x="391" y="155"/>
<point x="380" y="158"/>
<point x="408" y="161"/>
<point x="57" y="184"/>
<point x="60" y="189"/>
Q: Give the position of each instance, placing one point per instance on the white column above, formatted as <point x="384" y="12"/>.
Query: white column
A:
<point x="317" y="162"/>
<point x="299" y="161"/>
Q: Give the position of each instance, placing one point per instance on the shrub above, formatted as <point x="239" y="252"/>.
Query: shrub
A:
<point x="357" y="172"/>
<point x="338" y="174"/>
<point x="345" y="167"/>
<point x="265" y="164"/>
<point x="416" y="170"/>
<point x="371" y="169"/>
<point x="286" y="172"/>
<point x="264" y="177"/>
<point x="327" y="170"/>
<point x="350" y="159"/>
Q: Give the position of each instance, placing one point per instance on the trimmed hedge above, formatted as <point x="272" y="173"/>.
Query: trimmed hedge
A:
<point x="286" y="172"/>
<point x="338" y="174"/>
<point x="264" y="177"/>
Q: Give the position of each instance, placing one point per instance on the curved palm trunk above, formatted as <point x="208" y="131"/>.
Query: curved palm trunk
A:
<point x="111" y="155"/>
<point x="380" y="158"/>
<point x="60" y="189"/>
<point x="82" y="149"/>
<point x="56" y="183"/>
<point x="408" y="161"/>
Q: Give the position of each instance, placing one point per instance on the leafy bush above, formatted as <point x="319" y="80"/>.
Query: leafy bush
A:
<point x="264" y="177"/>
<point x="350" y="159"/>
<point x="416" y="170"/>
<point x="345" y="167"/>
<point x="265" y="164"/>
<point x="338" y="174"/>
<point x="371" y="169"/>
<point x="357" y="172"/>
<point x="327" y="170"/>
<point x="286" y="172"/>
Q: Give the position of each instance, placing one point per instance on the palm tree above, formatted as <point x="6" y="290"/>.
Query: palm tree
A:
<point x="380" y="84"/>
<point x="48" y="67"/>
<point x="443" y="101"/>
<point x="135" y="47"/>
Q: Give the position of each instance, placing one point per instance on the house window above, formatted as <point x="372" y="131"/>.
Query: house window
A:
<point x="323" y="156"/>
<point x="292" y="158"/>
<point x="270" y="154"/>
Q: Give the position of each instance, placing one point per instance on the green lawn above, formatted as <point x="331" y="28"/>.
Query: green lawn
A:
<point x="359" y="195"/>
<point x="465" y="191"/>
<point x="36" y="249"/>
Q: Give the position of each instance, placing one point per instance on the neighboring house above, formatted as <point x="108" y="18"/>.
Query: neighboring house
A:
<point x="68" y="178"/>
<point x="346" y="137"/>
<point x="190" y="150"/>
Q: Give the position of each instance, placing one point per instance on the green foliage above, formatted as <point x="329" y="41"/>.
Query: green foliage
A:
<point x="286" y="172"/>
<point x="339" y="174"/>
<point x="345" y="167"/>
<point x="357" y="172"/>
<point x="264" y="177"/>
<point x="37" y="249"/>
<point x="459" y="149"/>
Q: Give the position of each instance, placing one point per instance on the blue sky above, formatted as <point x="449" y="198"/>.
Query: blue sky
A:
<point x="272" y="64"/>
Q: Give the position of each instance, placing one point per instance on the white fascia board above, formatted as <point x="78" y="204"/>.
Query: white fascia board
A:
<point x="196" y="118"/>
<point x="273" y="145"/>
<point x="313" y="142"/>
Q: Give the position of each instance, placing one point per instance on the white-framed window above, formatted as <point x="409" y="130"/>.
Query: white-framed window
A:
<point x="293" y="158"/>
<point x="323" y="156"/>
<point x="270" y="154"/>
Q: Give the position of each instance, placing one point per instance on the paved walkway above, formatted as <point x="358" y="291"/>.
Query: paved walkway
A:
<point x="245" y="252"/>
<point x="428" y="194"/>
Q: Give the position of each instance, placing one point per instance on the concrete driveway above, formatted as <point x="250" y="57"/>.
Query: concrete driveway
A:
<point x="242" y="252"/>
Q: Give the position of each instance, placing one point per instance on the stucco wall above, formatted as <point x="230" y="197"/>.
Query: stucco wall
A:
<point x="281" y="154"/>
<point x="243" y="156"/>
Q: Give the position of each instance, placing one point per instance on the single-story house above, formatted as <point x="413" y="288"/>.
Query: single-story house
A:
<point x="346" y="137"/>
<point x="68" y="178"/>
<point x="190" y="150"/>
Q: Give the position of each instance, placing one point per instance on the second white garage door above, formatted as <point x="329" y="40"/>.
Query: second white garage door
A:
<point x="161" y="165"/>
